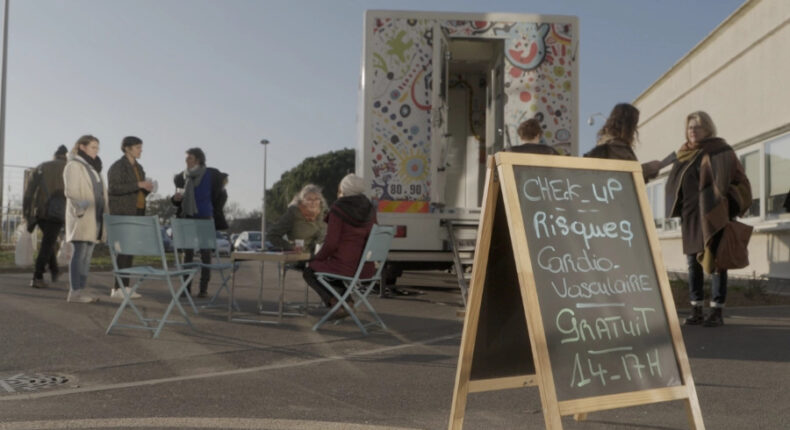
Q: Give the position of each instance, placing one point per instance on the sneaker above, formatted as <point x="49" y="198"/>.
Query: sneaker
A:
<point x="202" y="294"/>
<point x="38" y="283"/>
<point x="77" y="296"/>
<point x="117" y="294"/>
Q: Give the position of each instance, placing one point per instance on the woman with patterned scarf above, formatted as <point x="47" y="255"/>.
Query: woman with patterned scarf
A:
<point x="707" y="187"/>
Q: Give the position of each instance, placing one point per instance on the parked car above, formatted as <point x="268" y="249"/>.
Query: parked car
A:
<point x="233" y="238"/>
<point x="248" y="241"/>
<point x="223" y="244"/>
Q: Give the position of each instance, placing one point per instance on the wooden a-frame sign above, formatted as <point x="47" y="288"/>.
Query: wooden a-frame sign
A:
<point x="569" y="292"/>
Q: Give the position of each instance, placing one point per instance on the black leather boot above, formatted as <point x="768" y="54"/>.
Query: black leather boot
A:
<point x="696" y="317"/>
<point x="714" y="318"/>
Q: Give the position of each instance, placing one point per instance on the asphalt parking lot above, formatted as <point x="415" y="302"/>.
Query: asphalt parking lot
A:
<point x="60" y="370"/>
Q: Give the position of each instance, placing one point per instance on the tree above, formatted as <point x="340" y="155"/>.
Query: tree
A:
<point x="162" y="207"/>
<point x="234" y="211"/>
<point x="325" y="170"/>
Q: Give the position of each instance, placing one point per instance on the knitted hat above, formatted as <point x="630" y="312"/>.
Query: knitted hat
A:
<point x="352" y="185"/>
<point x="62" y="150"/>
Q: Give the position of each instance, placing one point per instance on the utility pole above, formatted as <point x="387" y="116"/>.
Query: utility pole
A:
<point x="2" y="104"/>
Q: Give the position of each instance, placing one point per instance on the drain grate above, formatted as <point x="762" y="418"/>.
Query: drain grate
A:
<point x="27" y="383"/>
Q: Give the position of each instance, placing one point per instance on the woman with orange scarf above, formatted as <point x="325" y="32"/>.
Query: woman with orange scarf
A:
<point x="707" y="188"/>
<point x="303" y="220"/>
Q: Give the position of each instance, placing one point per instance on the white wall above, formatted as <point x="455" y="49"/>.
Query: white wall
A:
<point x="740" y="75"/>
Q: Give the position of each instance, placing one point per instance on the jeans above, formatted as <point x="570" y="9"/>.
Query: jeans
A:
<point x="718" y="281"/>
<point x="80" y="264"/>
<point x="309" y="276"/>
<point x="47" y="255"/>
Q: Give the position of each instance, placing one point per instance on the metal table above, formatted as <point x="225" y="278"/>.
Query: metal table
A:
<point x="281" y="258"/>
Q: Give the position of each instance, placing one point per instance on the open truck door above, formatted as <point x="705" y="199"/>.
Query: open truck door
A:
<point x="495" y="107"/>
<point x="439" y="114"/>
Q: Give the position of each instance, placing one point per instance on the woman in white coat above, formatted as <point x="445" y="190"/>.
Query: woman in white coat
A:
<point x="86" y="204"/>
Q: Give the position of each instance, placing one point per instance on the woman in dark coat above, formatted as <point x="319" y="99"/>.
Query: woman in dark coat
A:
<point x="349" y="222"/>
<point x="706" y="188"/>
<point x="616" y="139"/>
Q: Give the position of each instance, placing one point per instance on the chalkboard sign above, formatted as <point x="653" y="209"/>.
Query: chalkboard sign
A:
<point x="597" y="286"/>
<point x="569" y="292"/>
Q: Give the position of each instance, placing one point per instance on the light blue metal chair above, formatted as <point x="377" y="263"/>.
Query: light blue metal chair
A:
<point x="376" y="250"/>
<point x="190" y="233"/>
<point x="141" y="236"/>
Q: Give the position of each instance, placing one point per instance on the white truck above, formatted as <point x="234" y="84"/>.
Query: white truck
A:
<point x="439" y="93"/>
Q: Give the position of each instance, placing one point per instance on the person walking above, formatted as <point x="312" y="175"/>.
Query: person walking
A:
<point x="44" y="205"/>
<point x="530" y="132"/>
<point x="617" y="137"/>
<point x="200" y="194"/>
<point x="349" y="221"/>
<point x="127" y="188"/>
<point x="86" y="198"/>
<point x="707" y="187"/>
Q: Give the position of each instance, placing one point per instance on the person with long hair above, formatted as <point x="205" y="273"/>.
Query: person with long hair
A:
<point x="86" y="204"/>
<point x="618" y="136"/>
<point x="707" y="187"/>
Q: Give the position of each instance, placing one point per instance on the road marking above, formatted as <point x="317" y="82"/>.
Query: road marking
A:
<point x="64" y="392"/>
<point x="190" y="422"/>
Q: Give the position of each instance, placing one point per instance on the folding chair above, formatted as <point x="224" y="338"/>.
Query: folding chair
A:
<point x="376" y="250"/>
<point x="189" y="233"/>
<point x="141" y="236"/>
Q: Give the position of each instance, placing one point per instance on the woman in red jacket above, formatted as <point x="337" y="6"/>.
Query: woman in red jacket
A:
<point x="349" y="222"/>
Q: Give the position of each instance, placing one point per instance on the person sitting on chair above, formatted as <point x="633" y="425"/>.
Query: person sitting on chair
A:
<point x="303" y="220"/>
<point x="349" y="222"/>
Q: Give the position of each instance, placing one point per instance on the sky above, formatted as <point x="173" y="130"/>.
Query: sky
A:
<point x="222" y="75"/>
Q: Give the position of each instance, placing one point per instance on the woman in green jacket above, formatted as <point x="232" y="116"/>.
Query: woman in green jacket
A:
<point x="303" y="220"/>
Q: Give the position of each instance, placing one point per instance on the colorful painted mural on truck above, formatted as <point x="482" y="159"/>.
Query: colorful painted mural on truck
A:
<point x="538" y="82"/>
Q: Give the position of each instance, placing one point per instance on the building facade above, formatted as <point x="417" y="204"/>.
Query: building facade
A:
<point x="740" y="75"/>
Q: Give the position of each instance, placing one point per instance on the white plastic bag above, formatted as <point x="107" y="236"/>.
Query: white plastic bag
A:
<point x="25" y="242"/>
<point x="64" y="252"/>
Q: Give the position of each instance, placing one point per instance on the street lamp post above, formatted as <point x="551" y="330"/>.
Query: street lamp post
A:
<point x="265" y="143"/>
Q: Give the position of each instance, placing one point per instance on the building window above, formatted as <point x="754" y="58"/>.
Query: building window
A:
<point x="655" y="195"/>
<point x="751" y="163"/>
<point x="777" y="166"/>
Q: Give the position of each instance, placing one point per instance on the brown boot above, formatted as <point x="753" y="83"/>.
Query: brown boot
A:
<point x="714" y="318"/>
<point x="696" y="317"/>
